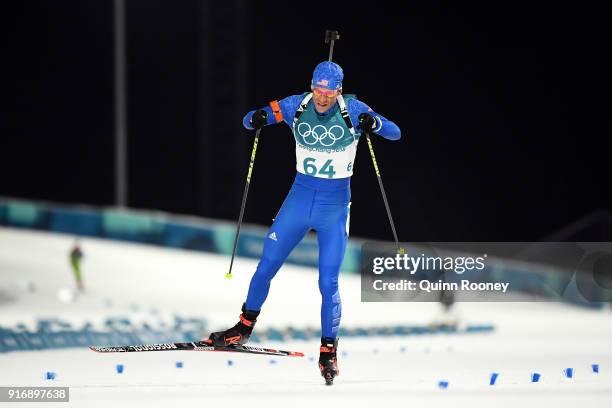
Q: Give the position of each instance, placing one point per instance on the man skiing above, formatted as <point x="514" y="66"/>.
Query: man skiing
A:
<point x="76" y="255"/>
<point x="323" y="124"/>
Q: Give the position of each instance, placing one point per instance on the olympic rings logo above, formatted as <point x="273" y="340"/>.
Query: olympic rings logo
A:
<point x="320" y="134"/>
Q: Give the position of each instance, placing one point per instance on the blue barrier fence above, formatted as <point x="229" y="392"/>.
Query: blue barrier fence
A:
<point x="157" y="228"/>
<point x="58" y="334"/>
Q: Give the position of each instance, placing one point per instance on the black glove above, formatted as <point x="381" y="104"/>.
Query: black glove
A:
<point x="259" y="119"/>
<point x="366" y="122"/>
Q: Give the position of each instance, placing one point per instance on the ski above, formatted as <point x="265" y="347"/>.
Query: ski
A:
<point x="196" y="346"/>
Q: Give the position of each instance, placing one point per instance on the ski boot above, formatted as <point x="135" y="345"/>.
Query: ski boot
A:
<point x="328" y="363"/>
<point x="239" y="334"/>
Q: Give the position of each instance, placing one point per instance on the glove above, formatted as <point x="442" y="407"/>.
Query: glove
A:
<point x="366" y="122"/>
<point x="259" y="119"/>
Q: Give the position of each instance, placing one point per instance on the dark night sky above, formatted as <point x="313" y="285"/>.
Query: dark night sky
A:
<point x="504" y="120"/>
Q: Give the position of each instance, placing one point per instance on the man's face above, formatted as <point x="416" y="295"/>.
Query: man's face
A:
<point x="324" y="98"/>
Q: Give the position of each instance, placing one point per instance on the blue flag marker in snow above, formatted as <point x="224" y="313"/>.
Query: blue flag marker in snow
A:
<point x="569" y="372"/>
<point x="535" y="377"/>
<point x="595" y="368"/>
<point x="493" y="378"/>
<point x="119" y="368"/>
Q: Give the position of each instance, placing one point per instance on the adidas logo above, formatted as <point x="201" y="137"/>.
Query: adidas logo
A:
<point x="272" y="236"/>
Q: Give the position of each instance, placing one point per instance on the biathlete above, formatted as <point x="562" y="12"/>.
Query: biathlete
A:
<point x="326" y="140"/>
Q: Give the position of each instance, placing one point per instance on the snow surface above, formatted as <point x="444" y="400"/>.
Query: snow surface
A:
<point x="142" y="281"/>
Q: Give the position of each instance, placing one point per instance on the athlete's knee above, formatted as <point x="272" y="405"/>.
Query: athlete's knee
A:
<point x="267" y="267"/>
<point x="329" y="288"/>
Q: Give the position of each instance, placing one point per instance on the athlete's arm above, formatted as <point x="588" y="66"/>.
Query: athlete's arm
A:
<point x="383" y="126"/>
<point x="288" y="106"/>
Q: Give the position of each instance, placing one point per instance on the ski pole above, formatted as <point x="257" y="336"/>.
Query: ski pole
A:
<point x="330" y="37"/>
<point x="244" y="198"/>
<point x="384" y="195"/>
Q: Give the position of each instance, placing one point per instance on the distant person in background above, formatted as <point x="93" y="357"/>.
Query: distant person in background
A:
<point x="76" y="255"/>
<point x="326" y="126"/>
<point x="447" y="318"/>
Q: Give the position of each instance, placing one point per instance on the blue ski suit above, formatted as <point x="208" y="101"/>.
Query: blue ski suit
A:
<point x="320" y="196"/>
